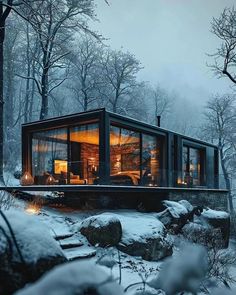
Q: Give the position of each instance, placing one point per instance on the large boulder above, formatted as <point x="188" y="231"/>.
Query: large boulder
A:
<point x="27" y="253"/>
<point x="144" y="236"/>
<point x="78" y="277"/>
<point x="103" y="230"/>
<point x="176" y="214"/>
<point x="219" y="220"/>
<point x="202" y="233"/>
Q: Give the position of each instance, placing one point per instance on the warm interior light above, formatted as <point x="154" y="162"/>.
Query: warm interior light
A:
<point x="180" y="181"/>
<point x="50" y="180"/>
<point x="27" y="179"/>
<point x="60" y="166"/>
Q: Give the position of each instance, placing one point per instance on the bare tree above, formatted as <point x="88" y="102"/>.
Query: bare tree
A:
<point x="53" y="22"/>
<point x="4" y="13"/>
<point x="224" y="28"/>
<point x="85" y="72"/>
<point x="220" y="127"/>
<point x="119" y="73"/>
<point x="161" y="102"/>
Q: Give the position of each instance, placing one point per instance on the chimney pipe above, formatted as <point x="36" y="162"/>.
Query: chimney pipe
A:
<point x="159" y="121"/>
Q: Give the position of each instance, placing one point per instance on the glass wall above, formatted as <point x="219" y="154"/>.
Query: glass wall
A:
<point x="124" y="156"/>
<point x="84" y="154"/>
<point x="193" y="166"/>
<point x="152" y="172"/>
<point x="135" y="158"/>
<point x="49" y="154"/>
<point x="67" y="155"/>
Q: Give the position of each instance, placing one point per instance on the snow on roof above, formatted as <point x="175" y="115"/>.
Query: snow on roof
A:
<point x="74" y="278"/>
<point x="33" y="238"/>
<point x="209" y="213"/>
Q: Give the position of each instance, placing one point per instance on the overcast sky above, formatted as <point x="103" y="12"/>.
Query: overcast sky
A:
<point x="170" y="38"/>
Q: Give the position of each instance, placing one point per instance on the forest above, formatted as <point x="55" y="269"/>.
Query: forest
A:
<point x="53" y="62"/>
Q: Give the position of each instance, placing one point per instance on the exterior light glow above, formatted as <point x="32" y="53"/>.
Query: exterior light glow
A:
<point x="33" y="209"/>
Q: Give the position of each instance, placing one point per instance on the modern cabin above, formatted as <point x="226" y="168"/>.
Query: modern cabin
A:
<point x="100" y="147"/>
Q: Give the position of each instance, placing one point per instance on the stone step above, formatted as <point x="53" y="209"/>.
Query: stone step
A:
<point x="63" y="236"/>
<point x="79" y="253"/>
<point x="69" y="243"/>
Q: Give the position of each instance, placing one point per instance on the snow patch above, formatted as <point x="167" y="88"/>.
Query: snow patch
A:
<point x="34" y="239"/>
<point x="176" y="209"/>
<point x="135" y="228"/>
<point x="209" y="213"/>
<point x="102" y="220"/>
<point x="74" y="278"/>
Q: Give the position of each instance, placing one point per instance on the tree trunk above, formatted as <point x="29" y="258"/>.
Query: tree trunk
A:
<point x="1" y="108"/>
<point x="44" y="106"/>
<point x="227" y="181"/>
<point x="27" y="90"/>
<point x="2" y="33"/>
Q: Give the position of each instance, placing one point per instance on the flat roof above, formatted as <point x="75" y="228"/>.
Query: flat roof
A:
<point x="60" y="119"/>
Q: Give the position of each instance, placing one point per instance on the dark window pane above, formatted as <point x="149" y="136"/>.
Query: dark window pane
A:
<point x="152" y="171"/>
<point x="193" y="166"/>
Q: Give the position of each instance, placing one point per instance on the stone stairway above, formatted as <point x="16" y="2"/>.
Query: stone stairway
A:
<point x="73" y="247"/>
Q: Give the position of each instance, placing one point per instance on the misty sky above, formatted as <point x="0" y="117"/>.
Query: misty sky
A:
<point x="170" y="38"/>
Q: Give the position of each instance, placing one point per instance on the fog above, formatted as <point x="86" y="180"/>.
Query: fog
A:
<point x="171" y="38"/>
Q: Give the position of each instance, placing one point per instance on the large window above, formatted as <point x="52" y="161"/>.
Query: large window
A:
<point x="67" y="155"/>
<point x="135" y="158"/>
<point x="84" y="154"/>
<point x="193" y="166"/>
<point x="124" y="156"/>
<point x="49" y="154"/>
<point x="152" y="172"/>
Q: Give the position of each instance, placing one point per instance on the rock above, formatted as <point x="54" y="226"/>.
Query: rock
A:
<point x="150" y="249"/>
<point x="182" y="273"/>
<point x="77" y="277"/>
<point x="219" y="220"/>
<point x="79" y="253"/>
<point x="176" y="214"/>
<point x="203" y="234"/>
<point x="40" y="252"/>
<point x="145" y="236"/>
<point x="104" y="230"/>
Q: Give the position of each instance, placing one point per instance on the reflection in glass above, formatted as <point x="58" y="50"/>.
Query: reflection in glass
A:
<point x="84" y="151"/>
<point x="68" y="156"/>
<point x="151" y="168"/>
<point x="192" y="166"/>
<point x="48" y="147"/>
<point x="124" y="156"/>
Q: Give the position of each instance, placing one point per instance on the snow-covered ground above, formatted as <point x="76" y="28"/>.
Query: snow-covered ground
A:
<point x="63" y="223"/>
